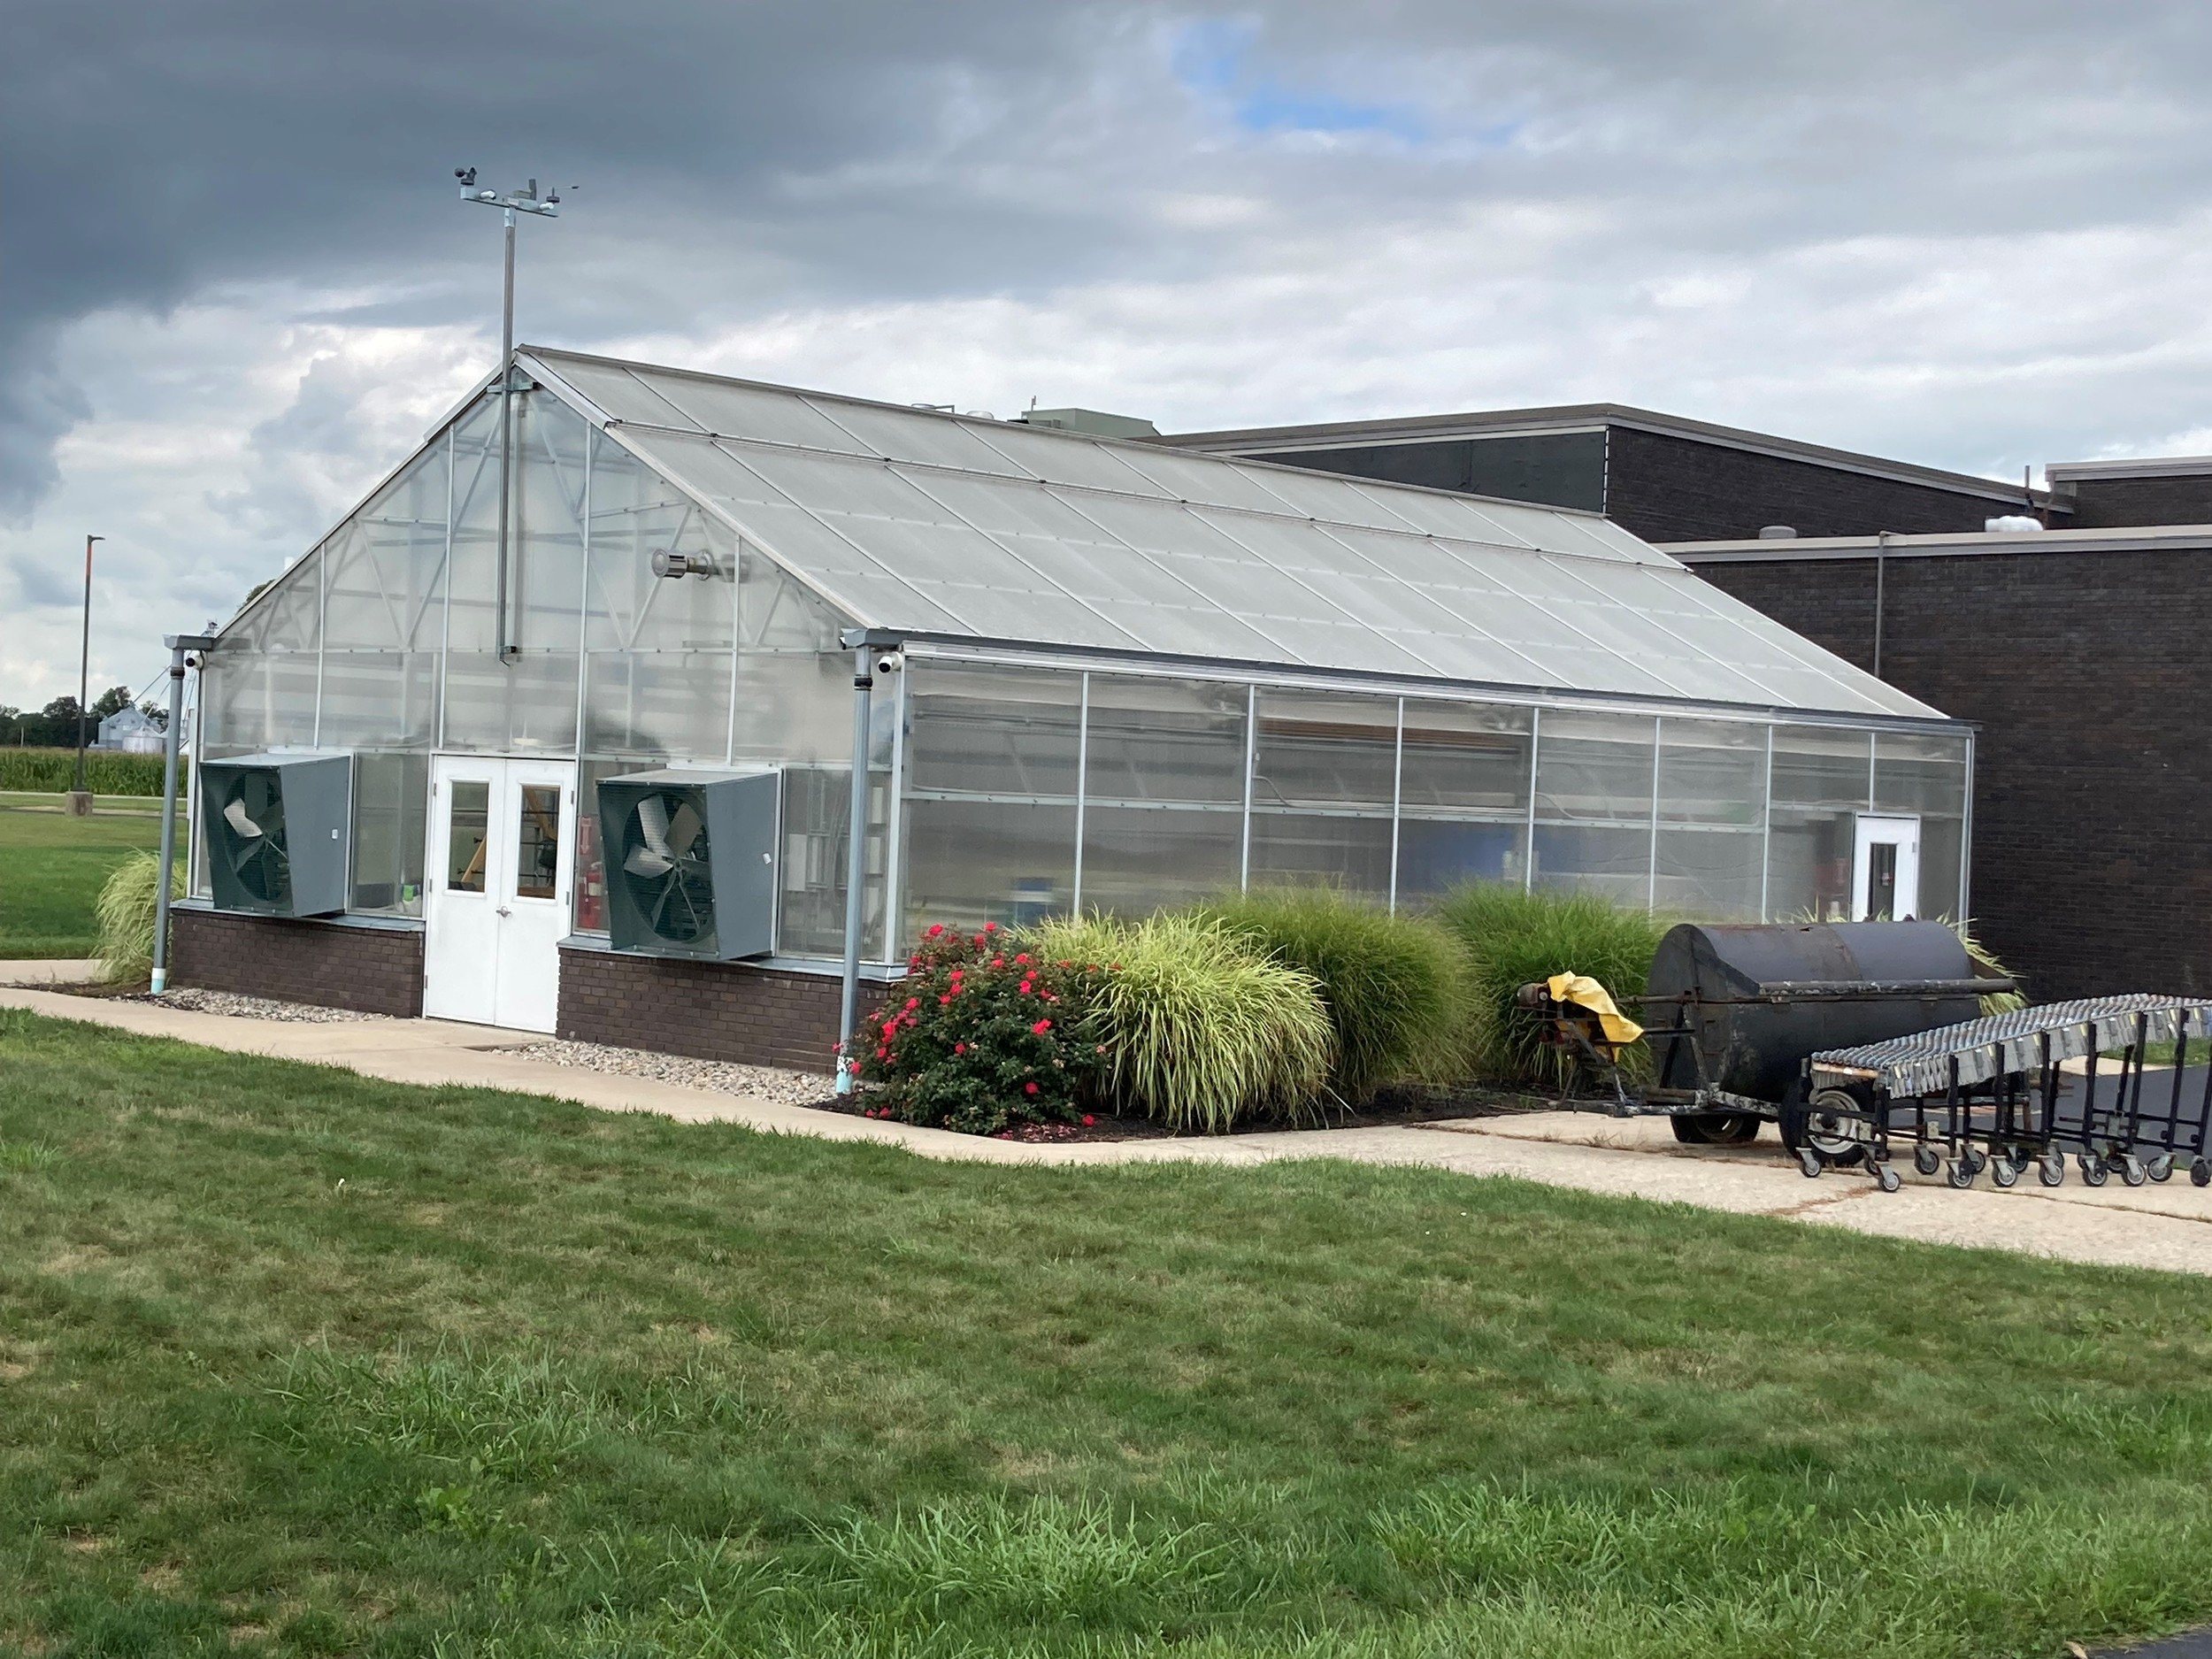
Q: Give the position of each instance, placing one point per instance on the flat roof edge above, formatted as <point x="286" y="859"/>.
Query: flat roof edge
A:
<point x="1566" y="417"/>
<point x="2119" y="538"/>
<point x="2147" y="466"/>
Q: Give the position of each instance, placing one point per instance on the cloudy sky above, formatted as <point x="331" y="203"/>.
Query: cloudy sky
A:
<point x="236" y="282"/>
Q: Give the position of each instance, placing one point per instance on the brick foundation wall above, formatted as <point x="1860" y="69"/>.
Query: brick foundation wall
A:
<point x="2092" y="862"/>
<point x="371" y="969"/>
<point x="711" y="1010"/>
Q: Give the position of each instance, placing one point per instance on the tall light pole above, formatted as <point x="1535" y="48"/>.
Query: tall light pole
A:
<point x="79" y="797"/>
<point x="526" y="200"/>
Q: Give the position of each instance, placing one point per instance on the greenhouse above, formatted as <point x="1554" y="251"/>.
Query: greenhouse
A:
<point x="1099" y="674"/>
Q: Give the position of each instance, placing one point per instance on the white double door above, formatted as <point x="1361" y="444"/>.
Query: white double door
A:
<point x="502" y="845"/>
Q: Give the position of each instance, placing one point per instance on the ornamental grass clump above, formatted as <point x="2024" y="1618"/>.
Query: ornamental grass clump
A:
<point x="1195" y="1028"/>
<point x="980" y="1036"/>
<point x="1513" y="936"/>
<point x="124" y="914"/>
<point x="1396" y="987"/>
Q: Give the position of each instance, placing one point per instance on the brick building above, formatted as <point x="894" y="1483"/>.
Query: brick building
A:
<point x="2077" y="649"/>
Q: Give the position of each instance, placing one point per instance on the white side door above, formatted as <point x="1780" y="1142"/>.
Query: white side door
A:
<point x="461" y="909"/>
<point x="502" y="858"/>
<point x="1885" y="869"/>
<point x="537" y="829"/>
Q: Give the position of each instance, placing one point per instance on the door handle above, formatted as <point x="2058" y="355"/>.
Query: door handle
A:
<point x="503" y="910"/>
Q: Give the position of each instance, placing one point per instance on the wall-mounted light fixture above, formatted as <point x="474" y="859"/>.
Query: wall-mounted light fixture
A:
<point x="673" y="565"/>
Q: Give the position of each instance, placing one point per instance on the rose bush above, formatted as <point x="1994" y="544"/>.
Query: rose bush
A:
<point x="979" y="1036"/>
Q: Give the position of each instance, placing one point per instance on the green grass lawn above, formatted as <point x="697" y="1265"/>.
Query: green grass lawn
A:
<point x="51" y="867"/>
<point x="293" y="1361"/>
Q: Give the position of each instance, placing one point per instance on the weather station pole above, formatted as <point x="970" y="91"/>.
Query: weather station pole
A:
<point x="79" y="802"/>
<point x="526" y="200"/>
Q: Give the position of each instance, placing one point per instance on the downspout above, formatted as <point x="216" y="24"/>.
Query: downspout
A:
<point x="856" y="869"/>
<point x="1881" y="571"/>
<point x="179" y="644"/>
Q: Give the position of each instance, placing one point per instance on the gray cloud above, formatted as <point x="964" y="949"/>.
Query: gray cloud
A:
<point x="235" y="287"/>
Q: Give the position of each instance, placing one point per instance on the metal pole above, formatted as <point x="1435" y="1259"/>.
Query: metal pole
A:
<point x="84" y="670"/>
<point x="506" y="433"/>
<point x="855" y="875"/>
<point x="168" y="816"/>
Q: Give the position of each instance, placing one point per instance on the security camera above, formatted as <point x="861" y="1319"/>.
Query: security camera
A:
<point x="890" y="662"/>
<point x="466" y="175"/>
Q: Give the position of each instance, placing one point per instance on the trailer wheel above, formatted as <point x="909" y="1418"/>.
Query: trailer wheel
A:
<point x="1715" y="1129"/>
<point x="1822" y="1129"/>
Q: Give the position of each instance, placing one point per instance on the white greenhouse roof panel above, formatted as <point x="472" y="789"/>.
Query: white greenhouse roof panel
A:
<point x="962" y="526"/>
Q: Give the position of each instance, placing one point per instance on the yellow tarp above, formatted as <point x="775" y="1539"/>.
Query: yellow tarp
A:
<point x="1584" y="992"/>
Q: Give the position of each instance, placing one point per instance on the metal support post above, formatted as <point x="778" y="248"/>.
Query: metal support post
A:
<point x="855" y="875"/>
<point x="179" y="644"/>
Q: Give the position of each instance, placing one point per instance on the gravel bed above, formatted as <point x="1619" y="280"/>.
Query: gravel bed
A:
<point x="199" y="1001"/>
<point x="761" y="1082"/>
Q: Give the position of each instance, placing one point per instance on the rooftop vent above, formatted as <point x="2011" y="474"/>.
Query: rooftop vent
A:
<point x="1096" y="422"/>
<point x="1778" y="532"/>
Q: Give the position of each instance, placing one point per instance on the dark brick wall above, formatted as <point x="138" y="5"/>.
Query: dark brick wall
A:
<point x="1679" y="489"/>
<point x="2091" y="865"/>
<point x="372" y="970"/>
<point x="1565" y="469"/>
<point x="2107" y="503"/>
<point x="712" y="1011"/>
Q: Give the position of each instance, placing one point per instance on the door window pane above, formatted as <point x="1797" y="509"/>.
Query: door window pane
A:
<point x="538" y="841"/>
<point x="468" y="836"/>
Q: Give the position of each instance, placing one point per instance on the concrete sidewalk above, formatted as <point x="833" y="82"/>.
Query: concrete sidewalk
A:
<point x="2160" y="1227"/>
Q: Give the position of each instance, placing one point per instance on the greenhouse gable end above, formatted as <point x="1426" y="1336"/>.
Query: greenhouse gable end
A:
<point x="1110" y="674"/>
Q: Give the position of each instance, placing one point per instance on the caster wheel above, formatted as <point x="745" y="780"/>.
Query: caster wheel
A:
<point x="1963" y="1173"/>
<point x="2093" y="1169"/>
<point x="2052" y="1170"/>
<point x="2200" y="1173"/>
<point x="1888" y="1179"/>
<point x="2131" y="1171"/>
<point x="2161" y="1168"/>
<point x="1926" y="1160"/>
<point x="1976" y="1160"/>
<point x="1808" y="1161"/>
<point x="2004" y="1172"/>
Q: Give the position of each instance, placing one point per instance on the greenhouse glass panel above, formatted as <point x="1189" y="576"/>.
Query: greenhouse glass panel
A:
<point x="817" y="811"/>
<point x="529" y="702"/>
<point x="1925" y="775"/>
<point x="987" y="731"/>
<point x="1593" y="784"/>
<point x="384" y="614"/>
<point x="732" y="409"/>
<point x="658" y="650"/>
<point x="391" y="798"/>
<point x="1708" y="873"/>
<point x="1712" y="810"/>
<point x="1058" y="460"/>
<point x="1822" y="783"/>
<point x="993" y="759"/>
<point x="1163" y="814"/>
<point x="1324" y="774"/>
<point x="1463" y="790"/>
<point x="1155" y="740"/>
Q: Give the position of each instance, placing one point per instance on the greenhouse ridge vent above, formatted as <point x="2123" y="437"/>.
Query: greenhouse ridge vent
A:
<point x="1125" y="674"/>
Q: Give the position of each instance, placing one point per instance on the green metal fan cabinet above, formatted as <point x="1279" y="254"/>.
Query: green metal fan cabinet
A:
<point x="275" y="827"/>
<point x="691" y="863"/>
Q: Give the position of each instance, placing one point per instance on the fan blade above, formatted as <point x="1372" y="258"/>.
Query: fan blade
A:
<point x="690" y="826"/>
<point x="235" y="815"/>
<point x="652" y="822"/>
<point x="643" y="860"/>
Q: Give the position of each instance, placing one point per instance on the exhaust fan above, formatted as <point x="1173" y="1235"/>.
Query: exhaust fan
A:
<point x="275" y="828"/>
<point x="691" y="863"/>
